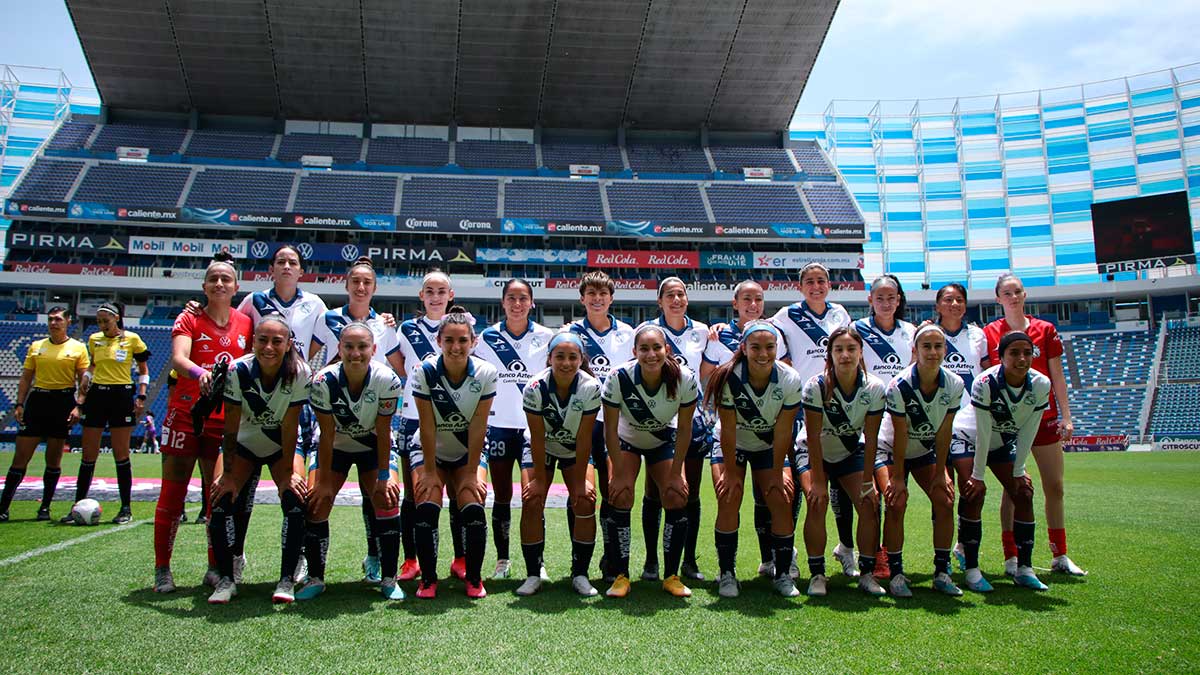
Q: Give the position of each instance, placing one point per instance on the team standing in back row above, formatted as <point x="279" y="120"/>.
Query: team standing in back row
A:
<point x="823" y="410"/>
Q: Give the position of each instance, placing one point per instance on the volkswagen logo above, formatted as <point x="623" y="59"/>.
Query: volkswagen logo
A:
<point x="349" y="253"/>
<point x="306" y="250"/>
<point x="260" y="249"/>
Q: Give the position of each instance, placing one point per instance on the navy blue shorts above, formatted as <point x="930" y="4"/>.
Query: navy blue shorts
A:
<point x="927" y="459"/>
<point x="758" y="461"/>
<point x="450" y="465"/>
<point x="505" y="444"/>
<point x="845" y="467"/>
<point x="561" y="463"/>
<point x="662" y="453"/>
<point x="366" y="461"/>
<point x="1004" y="455"/>
<point x="258" y="462"/>
<point x="702" y="438"/>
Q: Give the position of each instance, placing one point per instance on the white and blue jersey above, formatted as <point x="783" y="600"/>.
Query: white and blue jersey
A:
<point x="303" y="313"/>
<point x="418" y="341"/>
<point x="843" y="417"/>
<point x="1006" y="417"/>
<point x="262" y="410"/>
<point x="329" y="331"/>
<point x="886" y="353"/>
<point x="806" y="335"/>
<point x="516" y="359"/>
<point x="648" y="419"/>
<point x="965" y="353"/>
<point x="561" y="417"/>
<point x="354" y="416"/>
<point x="605" y="351"/>
<point x="758" y="410"/>
<point x="924" y="414"/>
<point x="720" y="351"/>
<point x="687" y="345"/>
<point x="454" y="403"/>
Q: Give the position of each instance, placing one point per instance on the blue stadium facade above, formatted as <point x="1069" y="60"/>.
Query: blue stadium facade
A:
<point x="967" y="188"/>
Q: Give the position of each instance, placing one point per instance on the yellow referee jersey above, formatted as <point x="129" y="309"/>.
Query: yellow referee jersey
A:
<point x="54" y="366"/>
<point x="114" y="356"/>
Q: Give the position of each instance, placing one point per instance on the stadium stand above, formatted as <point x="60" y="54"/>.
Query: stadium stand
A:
<point x="736" y="203"/>
<point x="323" y="192"/>
<point x="1175" y="406"/>
<point x="241" y="189"/>
<point x="1182" y="360"/>
<point x="560" y="156"/>
<point x="391" y="151"/>
<point x="812" y="162"/>
<point x="678" y="202"/>
<point x="1118" y="359"/>
<point x="71" y="136"/>
<point x="667" y="159"/>
<point x="230" y="145"/>
<point x="343" y="149"/>
<point x="553" y="199"/>
<point x="48" y="179"/>
<point x="495" y="155"/>
<point x="1106" y="411"/>
<point x="430" y="196"/>
<point x="831" y="204"/>
<point x="734" y="159"/>
<point x="133" y="185"/>
<point x="160" y="140"/>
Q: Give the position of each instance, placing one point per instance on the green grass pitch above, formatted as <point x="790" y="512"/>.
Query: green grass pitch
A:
<point x="1132" y="520"/>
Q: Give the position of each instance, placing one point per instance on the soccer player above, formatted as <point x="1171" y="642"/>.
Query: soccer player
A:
<point x="109" y="401"/>
<point x="219" y="334"/>
<point x="361" y="285"/>
<point x="608" y="343"/>
<point x="454" y="394"/>
<point x="560" y="405"/>
<point x="806" y="327"/>
<point x="516" y="348"/>
<point x="843" y="407"/>
<point x="1010" y="399"/>
<point x="686" y="342"/>
<point x="757" y="398"/>
<point x="418" y="341"/>
<point x="1047" y="446"/>
<point x="888" y="350"/>
<point x="921" y="402"/>
<point x="46" y="407"/>
<point x="263" y="397"/>
<point x="354" y="400"/>
<point x="650" y="404"/>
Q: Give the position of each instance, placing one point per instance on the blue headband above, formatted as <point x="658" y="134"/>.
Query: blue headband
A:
<point x="757" y="326"/>
<point x="565" y="337"/>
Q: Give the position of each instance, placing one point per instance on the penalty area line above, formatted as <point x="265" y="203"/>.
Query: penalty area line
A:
<point x="22" y="557"/>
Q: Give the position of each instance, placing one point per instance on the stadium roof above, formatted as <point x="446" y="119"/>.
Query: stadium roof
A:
<point x="644" y="64"/>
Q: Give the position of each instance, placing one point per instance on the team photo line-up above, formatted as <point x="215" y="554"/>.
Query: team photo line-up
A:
<point x="825" y="411"/>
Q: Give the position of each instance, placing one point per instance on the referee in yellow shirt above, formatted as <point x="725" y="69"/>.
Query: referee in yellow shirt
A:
<point x="46" y="407"/>
<point x="108" y="400"/>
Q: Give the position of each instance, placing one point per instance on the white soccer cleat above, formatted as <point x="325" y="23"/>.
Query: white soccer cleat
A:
<point x="942" y="583"/>
<point x="301" y="570"/>
<point x="530" y="586"/>
<point x="849" y="561"/>
<point x="785" y="587"/>
<point x="818" y="586"/>
<point x="870" y="586"/>
<point x="583" y="586"/>
<point x="285" y="592"/>
<point x="239" y="566"/>
<point x="1010" y="566"/>
<point x="794" y="568"/>
<point x="899" y="587"/>
<point x="503" y="569"/>
<point x="727" y="585"/>
<point x="224" y="592"/>
<point x="1065" y="565"/>
<point x="766" y="570"/>
<point x="543" y="574"/>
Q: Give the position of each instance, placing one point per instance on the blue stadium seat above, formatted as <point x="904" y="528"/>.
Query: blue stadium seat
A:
<point x="495" y="155"/>
<point x="143" y="185"/>
<point x="734" y="159"/>
<point x="553" y="199"/>
<point x="756" y="204"/>
<point x="671" y="202"/>
<point x="831" y="204"/>
<point x="392" y="151"/>
<point x="71" y="136"/>
<point x="160" y="140"/>
<point x="241" y="189"/>
<point x="812" y="162"/>
<point x="327" y="192"/>
<point x="230" y="145"/>
<point x="560" y="156"/>
<point x="667" y="159"/>
<point x="343" y="149"/>
<point x="432" y="196"/>
<point x="48" y="180"/>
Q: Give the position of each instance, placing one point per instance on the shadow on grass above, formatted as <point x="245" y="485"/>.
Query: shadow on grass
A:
<point x="253" y="600"/>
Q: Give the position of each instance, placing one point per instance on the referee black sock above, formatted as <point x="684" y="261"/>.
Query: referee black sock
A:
<point x="222" y="532"/>
<point x="651" y="519"/>
<point x="843" y="514"/>
<point x="1023" y="532"/>
<point x="426" y="535"/>
<point x="316" y="545"/>
<point x="291" y="536"/>
<point x="689" y="544"/>
<point x="49" y="484"/>
<point x="675" y="532"/>
<point x="242" y="510"/>
<point x="125" y="482"/>
<point x="533" y="557"/>
<point x="83" y="483"/>
<point x="456" y="529"/>
<point x="581" y="557"/>
<point x="11" y="482"/>
<point x="408" y="528"/>
<point x="969" y="534"/>
<point x="727" y="545"/>
<point x="501" y="522"/>
<point x="474" y="525"/>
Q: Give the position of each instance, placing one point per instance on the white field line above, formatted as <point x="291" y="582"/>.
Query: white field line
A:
<point x="22" y="557"/>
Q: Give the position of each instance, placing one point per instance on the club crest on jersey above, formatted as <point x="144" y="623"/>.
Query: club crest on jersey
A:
<point x="776" y="394"/>
<point x="241" y="340"/>
<point x="577" y="405"/>
<point x="1029" y="399"/>
<point x="477" y="387"/>
<point x="370" y="396"/>
<point x="1037" y="351"/>
<point x="944" y="399"/>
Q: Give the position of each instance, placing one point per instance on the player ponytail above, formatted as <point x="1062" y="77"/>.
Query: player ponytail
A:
<point x="457" y="316"/>
<point x="720" y="377"/>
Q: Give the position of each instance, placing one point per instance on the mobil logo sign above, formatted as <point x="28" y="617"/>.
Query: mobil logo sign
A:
<point x="645" y="259"/>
